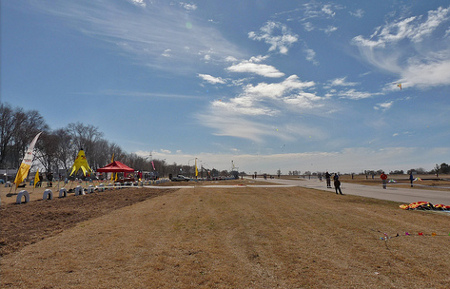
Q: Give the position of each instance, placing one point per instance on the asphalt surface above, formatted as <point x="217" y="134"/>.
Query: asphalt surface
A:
<point x="391" y="193"/>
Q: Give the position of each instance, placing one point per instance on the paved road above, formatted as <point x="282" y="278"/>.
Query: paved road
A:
<point x="391" y="193"/>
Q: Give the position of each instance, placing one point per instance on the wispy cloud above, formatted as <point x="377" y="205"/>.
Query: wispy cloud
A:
<point x="138" y="2"/>
<point x="402" y="47"/>
<point x="253" y="66"/>
<point x="311" y="56"/>
<point x="188" y="6"/>
<point x="277" y="35"/>
<point x="384" y="106"/>
<point x="341" y="82"/>
<point x="318" y="10"/>
<point x="359" y="13"/>
<point x="246" y="115"/>
<point x="330" y="29"/>
<point x="156" y="35"/>
<point x="138" y="94"/>
<point x="211" y="79"/>
<point x="355" y="94"/>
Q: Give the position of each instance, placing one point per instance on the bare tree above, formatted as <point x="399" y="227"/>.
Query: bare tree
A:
<point x="28" y="123"/>
<point x="47" y="151"/>
<point x="116" y="151"/>
<point x="6" y="131"/>
<point x="65" y="149"/>
<point x="17" y="129"/>
<point x="100" y="155"/>
<point x="84" y="137"/>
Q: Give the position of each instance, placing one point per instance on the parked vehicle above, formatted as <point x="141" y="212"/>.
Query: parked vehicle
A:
<point x="180" y="178"/>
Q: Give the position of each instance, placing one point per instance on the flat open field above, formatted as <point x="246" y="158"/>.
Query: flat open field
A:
<point x="239" y="237"/>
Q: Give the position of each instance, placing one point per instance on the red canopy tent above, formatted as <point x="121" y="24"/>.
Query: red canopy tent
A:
<point x="116" y="167"/>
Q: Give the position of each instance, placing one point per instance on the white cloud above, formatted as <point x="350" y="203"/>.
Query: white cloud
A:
<point x="242" y="106"/>
<point x="211" y="79"/>
<point x="327" y="9"/>
<point x="277" y="35"/>
<point x="304" y="100"/>
<point x="412" y="48"/>
<point x="188" y="6"/>
<point x="166" y="53"/>
<point x="236" y="116"/>
<point x="230" y="59"/>
<point x="359" y="13"/>
<point x="311" y="56"/>
<point x="384" y="106"/>
<point x="308" y="26"/>
<point x="260" y="69"/>
<point x="355" y="95"/>
<point x="423" y="74"/>
<point x="157" y="36"/>
<point x="277" y="90"/>
<point x="230" y="123"/>
<point x="317" y="10"/>
<point x="341" y="82"/>
<point x="138" y="3"/>
<point x="330" y="29"/>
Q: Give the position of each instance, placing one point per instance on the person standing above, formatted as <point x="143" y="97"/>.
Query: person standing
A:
<point x="328" y="178"/>
<point x="384" y="177"/>
<point x="337" y="184"/>
<point x="411" y="178"/>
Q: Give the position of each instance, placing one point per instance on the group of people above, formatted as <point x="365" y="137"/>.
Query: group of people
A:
<point x="337" y="182"/>
<point x="384" y="177"/>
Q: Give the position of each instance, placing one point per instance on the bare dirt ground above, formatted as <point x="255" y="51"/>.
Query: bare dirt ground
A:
<point x="29" y="223"/>
<point x="241" y="237"/>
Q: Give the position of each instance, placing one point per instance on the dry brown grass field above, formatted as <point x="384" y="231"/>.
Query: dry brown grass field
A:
<point x="238" y="237"/>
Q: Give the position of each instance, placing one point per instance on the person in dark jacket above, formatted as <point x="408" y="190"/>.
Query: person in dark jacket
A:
<point x="328" y="178"/>
<point x="337" y="184"/>
<point x="411" y="178"/>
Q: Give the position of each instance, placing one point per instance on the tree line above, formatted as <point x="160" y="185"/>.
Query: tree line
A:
<point x="442" y="168"/>
<point x="57" y="149"/>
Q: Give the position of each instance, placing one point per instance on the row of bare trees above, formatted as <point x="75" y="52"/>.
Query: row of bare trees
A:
<point x="57" y="149"/>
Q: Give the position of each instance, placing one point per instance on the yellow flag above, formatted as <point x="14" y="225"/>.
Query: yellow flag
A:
<point x="196" y="169"/>
<point x="22" y="174"/>
<point x="24" y="168"/>
<point x="81" y="163"/>
<point x="36" y="178"/>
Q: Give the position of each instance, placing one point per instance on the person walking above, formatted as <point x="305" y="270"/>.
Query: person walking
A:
<point x="337" y="184"/>
<point x="384" y="177"/>
<point x="328" y="178"/>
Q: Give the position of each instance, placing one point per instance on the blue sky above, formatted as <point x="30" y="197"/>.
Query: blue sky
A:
<point x="289" y="85"/>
